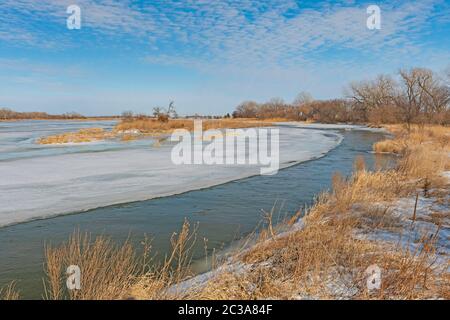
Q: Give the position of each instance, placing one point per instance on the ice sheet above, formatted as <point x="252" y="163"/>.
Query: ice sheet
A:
<point x="48" y="183"/>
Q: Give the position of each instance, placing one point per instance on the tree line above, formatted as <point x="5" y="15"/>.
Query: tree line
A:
<point x="417" y="95"/>
<point x="8" y="114"/>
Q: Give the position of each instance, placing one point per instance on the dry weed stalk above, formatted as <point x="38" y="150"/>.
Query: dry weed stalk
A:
<point x="9" y="292"/>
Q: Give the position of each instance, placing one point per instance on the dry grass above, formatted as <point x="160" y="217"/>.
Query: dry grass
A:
<point x="129" y="130"/>
<point x="83" y="135"/>
<point x="153" y="126"/>
<point x="9" y="292"/>
<point x="404" y="140"/>
<point x="424" y="162"/>
<point x="423" y="150"/>
<point x="389" y="146"/>
<point x="110" y="271"/>
<point x="107" y="270"/>
<point x="161" y="280"/>
<point x="128" y="137"/>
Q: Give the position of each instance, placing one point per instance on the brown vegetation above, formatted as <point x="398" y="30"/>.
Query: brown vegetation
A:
<point x="9" y="292"/>
<point x="130" y="129"/>
<point x="156" y="127"/>
<point x="83" y="135"/>
<point x="107" y="269"/>
<point x="110" y="271"/>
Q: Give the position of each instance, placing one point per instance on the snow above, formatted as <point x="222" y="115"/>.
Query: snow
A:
<point x="409" y="232"/>
<point x="44" y="181"/>
<point x="323" y="126"/>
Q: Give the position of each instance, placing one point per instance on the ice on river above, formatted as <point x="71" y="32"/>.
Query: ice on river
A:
<point x="43" y="181"/>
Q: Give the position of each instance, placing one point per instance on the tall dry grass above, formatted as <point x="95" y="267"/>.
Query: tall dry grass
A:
<point x="161" y="281"/>
<point x="153" y="126"/>
<point x="9" y="292"/>
<point x="82" y="135"/>
<point x="107" y="269"/>
<point x="132" y="129"/>
<point x="424" y="150"/>
<point x="116" y="271"/>
<point x="404" y="140"/>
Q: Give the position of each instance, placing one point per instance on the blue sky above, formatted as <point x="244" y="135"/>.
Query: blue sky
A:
<point x="206" y="55"/>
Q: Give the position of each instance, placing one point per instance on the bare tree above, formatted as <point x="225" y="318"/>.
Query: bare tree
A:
<point x="157" y="111"/>
<point x="424" y="96"/>
<point x="171" y="112"/>
<point x="372" y="98"/>
<point x="247" y="109"/>
<point x="303" y="98"/>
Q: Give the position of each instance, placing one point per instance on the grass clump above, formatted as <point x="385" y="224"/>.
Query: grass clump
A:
<point x="81" y="136"/>
<point x="110" y="271"/>
<point x="9" y="292"/>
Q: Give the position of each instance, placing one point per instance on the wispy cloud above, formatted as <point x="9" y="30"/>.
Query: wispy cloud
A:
<point x="239" y="33"/>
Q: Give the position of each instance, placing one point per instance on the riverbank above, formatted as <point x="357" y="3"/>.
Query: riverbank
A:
<point x="393" y="223"/>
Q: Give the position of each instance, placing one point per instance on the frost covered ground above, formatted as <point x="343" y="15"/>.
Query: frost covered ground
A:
<point x="43" y="181"/>
<point x="431" y="218"/>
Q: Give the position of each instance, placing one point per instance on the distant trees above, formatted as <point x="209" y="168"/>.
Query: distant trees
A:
<point x="331" y="111"/>
<point x="416" y="95"/>
<point x="161" y="114"/>
<point x="303" y="108"/>
<point x="274" y="108"/>
<point x="164" y="115"/>
<point x="127" y="115"/>
<point x="303" y="98"/>
<point x="247" y="109"/>
<point x="8" y="114"/>
<point x="419" y="96"/>
<point x="72" y="115"/>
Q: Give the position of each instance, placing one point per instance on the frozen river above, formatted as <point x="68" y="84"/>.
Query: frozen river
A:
<point x="39" y="181"/>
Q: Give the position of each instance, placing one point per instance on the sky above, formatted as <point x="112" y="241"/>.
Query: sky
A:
<point x="206" y="55"/>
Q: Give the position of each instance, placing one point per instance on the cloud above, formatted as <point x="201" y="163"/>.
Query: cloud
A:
<point x="239" y="33"/>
